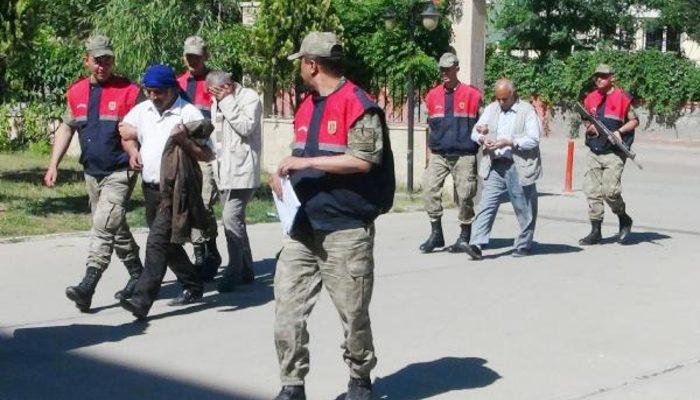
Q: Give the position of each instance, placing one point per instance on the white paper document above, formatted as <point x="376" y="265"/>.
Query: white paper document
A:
<point x="288" y="206"/>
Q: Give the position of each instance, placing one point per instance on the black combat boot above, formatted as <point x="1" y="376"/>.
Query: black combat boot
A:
<point x="594" y="237"/>
<point x="135" y="269"/>
<point x="82" y="293"/>
<point x="359" y="389"/>
<point x="435" y="239"/>
<point x="625" y="227"/>
<point x="291" y="393"/>
<point x="462" y="242"/>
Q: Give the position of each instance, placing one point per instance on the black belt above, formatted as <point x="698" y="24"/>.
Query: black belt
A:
<point x="151" y="186"/>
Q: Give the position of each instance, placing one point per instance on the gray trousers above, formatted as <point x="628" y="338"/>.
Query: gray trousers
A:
<point x="503" y="179"/>
<point x="234" y="202"/>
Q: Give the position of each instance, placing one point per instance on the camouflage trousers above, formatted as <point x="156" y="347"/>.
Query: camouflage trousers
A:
<point x="603" y="184"/>
<point x="210" y="196"/>
<point x="343" y="262"/>
<point x="464" y="175"/>
<point x="110" y="231"/>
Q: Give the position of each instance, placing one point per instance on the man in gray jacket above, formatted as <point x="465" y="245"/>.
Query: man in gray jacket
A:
<point x="236" y="115"/>
<point x="509" y="132"/>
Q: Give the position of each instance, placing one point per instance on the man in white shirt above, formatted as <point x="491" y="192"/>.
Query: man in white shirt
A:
<point x="236" y="115"/>
<point x="150" y="124"/>
<point x="509" y="131"/>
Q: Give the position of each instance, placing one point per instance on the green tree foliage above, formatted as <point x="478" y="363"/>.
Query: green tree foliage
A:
<point x="559" y="26"/>
<point x="683" y="15"/>
<point x="379" y="58"/>
<point x="278" y="31"/>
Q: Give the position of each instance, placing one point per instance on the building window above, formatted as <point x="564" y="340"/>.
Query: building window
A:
<point x="654" y="39"/>
<point x="673" y="40"/>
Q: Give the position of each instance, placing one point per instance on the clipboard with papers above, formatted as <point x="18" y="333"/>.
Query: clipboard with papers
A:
<point x="288" y="206"/>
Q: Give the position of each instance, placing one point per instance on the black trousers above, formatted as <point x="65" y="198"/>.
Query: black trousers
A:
<point x="161" y="253"/>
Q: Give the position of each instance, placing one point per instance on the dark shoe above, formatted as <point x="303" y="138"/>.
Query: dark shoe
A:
<point x="82" y="293"/>
<point x="292" y="393"/>
<point x="136" y="310"/>
<point x="521" y="253"/>
<point x="625" y="228"/>
<point x="594" y="237"/>
<point x="436" y="239"/>
<point x="135" y="271"/>
<point x="359" y="389"/>
<point x="186" y="297"/>
<point x="474" y="252"/>
<point x="462" y="242"/>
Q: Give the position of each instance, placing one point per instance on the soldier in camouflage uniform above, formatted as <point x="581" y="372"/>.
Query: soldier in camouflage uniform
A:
<point x="603" y="181"/>
<point x="95" y="106"/>
<point x="342" y="171"/>
<point x="453" y="109"/>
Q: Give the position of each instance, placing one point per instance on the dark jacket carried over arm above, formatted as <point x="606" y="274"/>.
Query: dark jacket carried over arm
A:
<point x="181" y="184"/>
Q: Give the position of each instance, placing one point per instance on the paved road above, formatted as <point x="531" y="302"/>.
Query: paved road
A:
<point x="603" y="323"/>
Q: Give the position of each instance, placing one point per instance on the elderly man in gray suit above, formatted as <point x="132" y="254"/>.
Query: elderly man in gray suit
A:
<point x="509" y="132"/>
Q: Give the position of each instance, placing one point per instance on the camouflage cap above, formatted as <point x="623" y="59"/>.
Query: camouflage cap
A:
<point x="604" y="69"/>
<point x="319" y="44"/>
<point x="195" y="45"/>
<point x="448" y="60"/>
<point x="98" y="46"/>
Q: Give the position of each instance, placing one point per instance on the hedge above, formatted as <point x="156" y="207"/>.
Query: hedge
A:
<point x="663" y="82"/>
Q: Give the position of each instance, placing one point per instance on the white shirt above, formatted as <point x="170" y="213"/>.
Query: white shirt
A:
<point x="506" y="130"/>
<point x="154" y="129"/>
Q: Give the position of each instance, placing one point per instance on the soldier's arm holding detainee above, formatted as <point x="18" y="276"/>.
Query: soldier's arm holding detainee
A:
<point x="62" y="140"/>
<point x="365" y="145"/>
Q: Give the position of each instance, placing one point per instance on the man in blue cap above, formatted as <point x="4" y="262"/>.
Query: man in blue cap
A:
<point x="156" y="122"/>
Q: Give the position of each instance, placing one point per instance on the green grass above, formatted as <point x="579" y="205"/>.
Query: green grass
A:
<point x="27" y="207"/>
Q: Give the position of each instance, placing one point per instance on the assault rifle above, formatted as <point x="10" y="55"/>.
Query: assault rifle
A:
<point x="586" y="116"/>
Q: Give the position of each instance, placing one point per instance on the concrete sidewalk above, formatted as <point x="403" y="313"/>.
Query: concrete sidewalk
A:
<point x="607" y="322"/>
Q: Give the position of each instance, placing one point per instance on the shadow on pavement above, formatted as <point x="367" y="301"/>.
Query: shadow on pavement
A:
<point x="537" y="248"/>
<point x="256" y="294"/>
<point x="422" y="380"/>
<point x="638" y="238"/>
<point x="35" y="365"/>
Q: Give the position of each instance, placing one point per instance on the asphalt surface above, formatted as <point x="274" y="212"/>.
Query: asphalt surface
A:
<point x="568" y="323"/>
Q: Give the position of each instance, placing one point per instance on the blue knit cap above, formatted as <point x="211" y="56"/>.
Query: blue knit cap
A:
<point x="159" y="76"/>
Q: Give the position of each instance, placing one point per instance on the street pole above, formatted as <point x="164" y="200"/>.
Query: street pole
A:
<point x="409" y="152"/>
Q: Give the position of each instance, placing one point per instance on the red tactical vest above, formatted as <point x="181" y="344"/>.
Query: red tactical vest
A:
<point x="451" y="117"/>
<point x="332" y="202"/>
<point x="342" y="109"/>
<point x="118" y="97"/>
<point x="201" y="98"/>
<point x="96" y="120"/>
<point x="613" y="114"/>
<point x="466" y="101"/>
